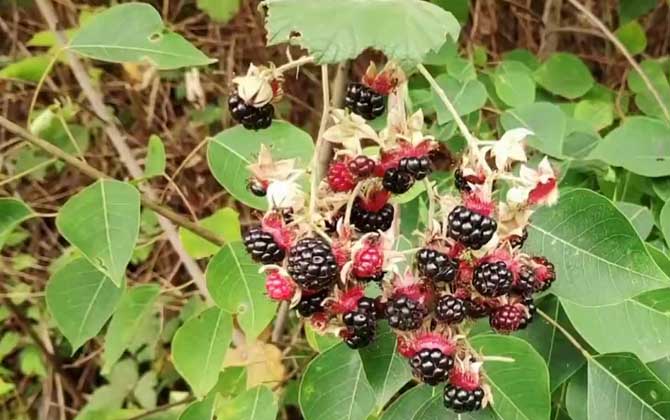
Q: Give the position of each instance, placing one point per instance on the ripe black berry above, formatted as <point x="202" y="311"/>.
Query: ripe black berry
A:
<point x="397" y="181"/>
<point x="257" y="188"/>
<point x="362" y="166"/>
<point x="311" y="264"/>
<point x="507" y="318"/>
<point x="249" y="116"/>
<point x="529" y="313"/>
<point x="311" y="304"/>
<point x="470" y="228"/>
<point x="492" y="279"/>
<point x="371" y="221"/>
<point x="361" y="324"/>
<point x="431" y="366"/>
<point x="418" y="167"/>
<point x="461" y="400"/>
<point x="450" y="309"/>
<point x="262" y="247"/>
<point x="404" y="313"/>
<point x="524" y="283"/>
<point x="460" y="182"/>
<point x="435" y="265"/>
<point x="364" y="101"/>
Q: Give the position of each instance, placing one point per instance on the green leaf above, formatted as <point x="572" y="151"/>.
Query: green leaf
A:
<point x="334" y="387"/>
<point x="633" y="9"/>
<point x="565" y="75"/>
<point x="639" y="216"/>
<point x="514" y="84"/>
<point x="318" y="342"/>
<point x="632" y="36"/>
<point x="199" y="348"/>
<point x="425" y="402"/>
<point x="255" y="404"/>
<point x="661" y="368"/>
<point x="30" y="362"/>
<point x="404" y="30"/>
<point x="644" y="98"/>
<point x="598" y="114"/>
<point x="134" y="32"/>
<point x="664" y="220"/>
<point x="594" y="247"/>
<point x="200" y="410"/>
<point x="546" y="120"/>
<point x="103" y="222"/>
<point x="577" y="394"/>
<point x="232" y="150"/>
<point x="136" y="304"/>
<point x="661" y="187"/>
<point x="81" y="299"/>
<point x="639" y="145"/>
<point x="386" y="371"/>
<point x="12" y="213"/>
<point x="459" y="8"/>
<point x="155" y="162"/>
<point x="562" y="359"/>
<point x="225" y="222"/>
<point x="237" y="287"/>
<point x="651" y="309"/>
<point x="621" y="386"/>
<point x="30" y="69"/>
<point x="523" y="56"/>
<point x="219" y="10"/>
<point x="8" y="343"/>
<point x="466" y="96"/>
<point x="520" y="388"/>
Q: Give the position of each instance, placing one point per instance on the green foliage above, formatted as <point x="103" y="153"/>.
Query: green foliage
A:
<point x="12" y="213"/>
<point x="29" y="69"/>
<point x="405" y="30"/>
<point x="255" y="404"/>
<point x="514" y="84"/>
<point x="134" y="32"/>
<point x="155" y="160"/>
<point x="220" y="10"/>
<point x="467" y="97"/>
<point x="225" y="222"/>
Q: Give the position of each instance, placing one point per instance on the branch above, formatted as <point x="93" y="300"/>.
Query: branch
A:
<point x="96" y="174"/>
<point x="295" y="63"/>
<point x="322" y="147"/>
<point x="622" y="48"/>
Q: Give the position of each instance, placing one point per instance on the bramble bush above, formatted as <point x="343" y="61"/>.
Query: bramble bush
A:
<point x="461" y="239"/>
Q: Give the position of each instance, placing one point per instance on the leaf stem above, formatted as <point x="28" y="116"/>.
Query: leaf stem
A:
<point x="316" y="166"/>
<point x="565" y="333"/>
<point x="307" y="59"/>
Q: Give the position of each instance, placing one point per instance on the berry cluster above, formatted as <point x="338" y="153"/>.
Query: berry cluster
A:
<point x="336" y="261"/>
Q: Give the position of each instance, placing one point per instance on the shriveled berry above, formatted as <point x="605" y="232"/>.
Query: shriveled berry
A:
<point x="460" y="182"/>
<point x="404" y="313"/>
<point x="436" y="265"/>
<point x="476" y="308"/>
<point x="450" y="309"/>
<point x="397" y="180"/>
<point x="517" y="241"/>
<point x="524" y="283"/>
<point x="463" y="400"/>
<point x="257" y="188"/>
<point x="364" y="101"/>
<point x="262" y="247"/>
<point x="492" y="279"/>
<point x="507" y="318"/>
<point x="311" y="264"/>
<point x="362" y="166"/>
<point x="251" y="117"/>
<point x="472" y="229"/>
<point x="418" y="167"/>
<point x="431" y="366"/>
<point x="545" y="273"/>
<point x="340" y="178"/>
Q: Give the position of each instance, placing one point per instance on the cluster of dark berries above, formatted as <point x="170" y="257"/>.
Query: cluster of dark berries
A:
<point x="340" y="267"/>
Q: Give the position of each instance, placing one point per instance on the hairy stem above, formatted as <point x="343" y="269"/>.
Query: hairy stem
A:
<point x="307" y="59"/>
<point x="317" y="166"/>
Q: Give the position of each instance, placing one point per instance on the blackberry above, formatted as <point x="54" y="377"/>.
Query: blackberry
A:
<point x="364" y="101"/>
<point x="418" y="167"/>
<point x="435" y="265"/>
<point x="450" y="309"/>
<point x="431" y="366"/>
<point x="311" y="304"/>
<point x="476" y="308"/>
<point x="524" y="283"/>
<point x="397" y="180"/>
<point x="371" y="221"/>
<point x="361" y="324"/>
<point x="249" y="116"/>
<point x="529" y="314"/>
<point x="470" y="228"/>
<point x="362" y="166"/>
<point x="262" y="247"/>
<point x="507" y="318"/>
<point x="404" y="314"/>
<point x="460" y="182"/>
<point x="492" y="279"/>
<point x="545" y="274"/>
<point x="517" y="241"/>
<point x="257" y="188"/>
<point x="311" y="264"/>
<point x="461" y="400"/>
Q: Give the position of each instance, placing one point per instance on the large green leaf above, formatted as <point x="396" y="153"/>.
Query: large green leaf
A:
<point x="640" y="145"/>
<point x="225" y="222"/>
<point x="12" y="213"/>
<point x="644" y="98"/>
<point x="640" y="217"/>
<point x="199" y="347"/>
<point x="334" y="387"/>
<point x="577" y="394"/>
<point x="466" y="96"/>
<point x="237" y="287"/>
<point x="565" y="75"/>
<point x="387" y="371"/>
<point x="665" y="221"/>
<point x="661" y="368"/>
<point x="561" y="357"/>
<point x="520" y="388"/>
<point x="134" y="32"/>
<point x="620" y="386"/>
<point x="135" y="305"/>
<point x="103" y="222"/>
<point x="255" y="404"/>
<point x="405" y="30"/>
<point x="81" y="299"/>
<point x="514" y="83"/>
<point x="594" y="248"/>
<point x="425" y="402"/>
<point x="651" y="310"/>
<point x="546" y="120"/>
<point x="230" y="151"/>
